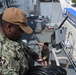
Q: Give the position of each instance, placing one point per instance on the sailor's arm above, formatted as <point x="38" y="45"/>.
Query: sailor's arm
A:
<point x="40" y="43"/>
<point x="32" y="53"/>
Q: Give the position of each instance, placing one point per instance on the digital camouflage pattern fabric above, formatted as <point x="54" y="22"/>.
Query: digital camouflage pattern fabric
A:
<point x="12" y="58"/>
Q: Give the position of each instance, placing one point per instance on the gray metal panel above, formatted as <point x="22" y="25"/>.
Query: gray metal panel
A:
<point x="60" y="35"/>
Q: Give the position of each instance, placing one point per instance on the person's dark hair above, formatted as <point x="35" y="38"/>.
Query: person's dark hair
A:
<point x="46" y="43"/>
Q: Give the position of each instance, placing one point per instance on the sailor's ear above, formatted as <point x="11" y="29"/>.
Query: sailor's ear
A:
<point x="9" y="27"/>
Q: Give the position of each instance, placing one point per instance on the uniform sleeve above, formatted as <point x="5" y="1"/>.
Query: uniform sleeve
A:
<point x="33" y="54"/>
<point x="0" y="58"/>
<point x="24" y="65"/>
<point x="5" y="66"/>
<point x="29" y="50"/>
<point x="12" y="59"/>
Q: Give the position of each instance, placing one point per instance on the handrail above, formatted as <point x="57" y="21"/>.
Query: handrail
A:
<point x="57" y="62"/>
<point x="69" y="49"/>
<point x="57" y="58"/>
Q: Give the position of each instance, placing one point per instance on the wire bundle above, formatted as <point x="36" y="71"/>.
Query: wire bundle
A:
<point x="47" y="70"/>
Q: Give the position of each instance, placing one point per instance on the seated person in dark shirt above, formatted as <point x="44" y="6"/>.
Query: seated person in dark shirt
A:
<point x="44" y="53"/>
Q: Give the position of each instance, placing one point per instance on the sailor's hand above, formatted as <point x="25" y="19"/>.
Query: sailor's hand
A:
<point x="40" y="59"/>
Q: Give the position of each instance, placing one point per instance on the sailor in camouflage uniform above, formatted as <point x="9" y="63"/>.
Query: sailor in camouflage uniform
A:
<point x="13" y="55"/>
